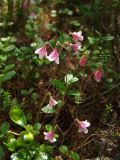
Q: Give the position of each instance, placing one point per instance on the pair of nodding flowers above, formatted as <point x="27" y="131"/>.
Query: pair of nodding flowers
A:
<point x="50" y="136"/>
<point x="54" y="55"/>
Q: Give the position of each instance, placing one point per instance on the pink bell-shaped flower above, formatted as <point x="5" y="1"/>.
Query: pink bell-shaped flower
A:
<point x="41" y="52"/>
<point x="83" y="61"/>
<point x="54" y="56"/>
<point x="77" y="36"/>
<point x="50" y="136"/>
<point x="52" y="102"/>
<point x="83" y="125"/>
<point x="33" y="15"/>
<point x="98" y="75"/>
<point x="76" y="47"/>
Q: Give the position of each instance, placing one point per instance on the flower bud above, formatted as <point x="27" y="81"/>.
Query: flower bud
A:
<point x="98" y="75"/>
<point x="83" y="61"/>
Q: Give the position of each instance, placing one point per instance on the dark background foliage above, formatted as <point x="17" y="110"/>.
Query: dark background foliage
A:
<point x="24" y="79"/>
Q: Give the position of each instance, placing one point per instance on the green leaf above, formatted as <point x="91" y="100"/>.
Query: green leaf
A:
<point x="42" y="147"/>
<point x="29" y="27"/>
<point x="49" y="127"/>
<point x="10" y="142"/>
<point x="5" y="39"/>
<point x="73" y="92"/>
<point x="52" y="42"/>
<point x="1" y="153"/>
<point x="69" y="78"/>
<point x="4" y="128"/>
<point x="34" y="97"/>
<point x="17" y="116"/>
<point x="63" y="37"/>
<point x="108" y="37"/>
<point x="48" y="109"/>
<point x="11" y="145"/>
<point x="20" y="155"/>
<point x="37" y="126"/>
<point x="24" y="92"/>
<point x="59" y="85"/>
<point x="9" y="67"/>
<point x="41" y="156"/>
<point x="93" y="40"/>
<point x="63" y="149"/>
<point x="20" y="142"/>
<point x="74" y="156"/>
<point x="49" y="149"/>
<point x="8" y="76"/>
<point x="3" y="57"/>
<point x="9" y="48"/>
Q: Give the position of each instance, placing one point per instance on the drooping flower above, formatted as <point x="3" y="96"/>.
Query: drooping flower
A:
<point x="98" y="75"/>
<point x="83" y="61"/>
<point x="83" y="125"/>
<point x="33" y="15"/>
<point x="76" y="47"/>
<point x="52" y="102"/>
<point x="50" y="136"/>
<point x="41" y="52"/>
<point x="54" y="56"/>
<point x="77" y="36"/>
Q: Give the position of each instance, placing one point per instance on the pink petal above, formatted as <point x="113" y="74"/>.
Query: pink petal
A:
<point x="53" y="140"/>
<point x="84" y="124"/>
<point x="77" y="36"/>
<point x="45" y="133"/>
<point x="57" y="60"/>
<point x="98" y="75"/>
<point x="85" y="130"/>
<point x="83" y="61"/>
<point x="51" y="56"/>
<point x="76" y="46"/>
<point x="37" y="51"/>
<point x="54" y="56"/>
<point x="50" y="136"/>
<point x="52" y="102"/>
<point x="80" y="130"/>
<point x="33" y="15"/>
<point x="42" y="52"/>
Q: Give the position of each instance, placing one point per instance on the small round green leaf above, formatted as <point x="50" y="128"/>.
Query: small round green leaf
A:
<point x="4" y="128"/>
<point x="48" y="109"/>
<point x="49" y="127"/>
<point x="17" y="116"/>
<point x="74" y="156"/>
<point x="8" y="76"/>
<point x="63" y="149"/>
